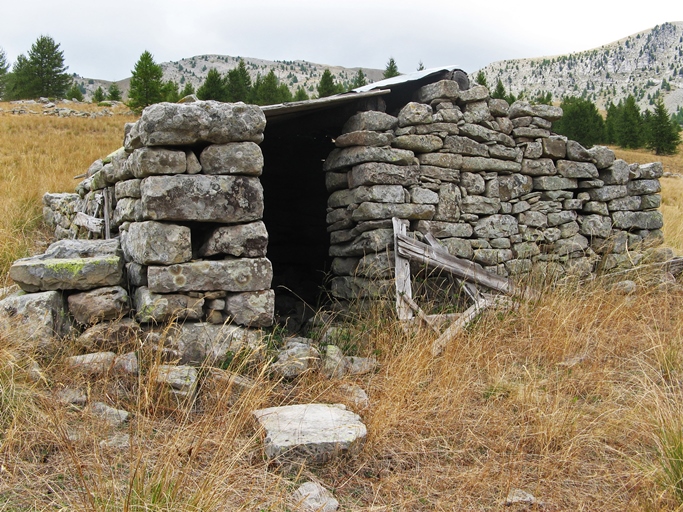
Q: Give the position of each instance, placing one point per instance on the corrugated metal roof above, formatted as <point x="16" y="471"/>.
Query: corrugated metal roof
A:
<point x="283" y="110"/>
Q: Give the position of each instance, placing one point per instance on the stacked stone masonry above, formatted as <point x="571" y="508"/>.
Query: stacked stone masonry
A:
<point x="492" y="182"/>
<point x="186" y="202"/>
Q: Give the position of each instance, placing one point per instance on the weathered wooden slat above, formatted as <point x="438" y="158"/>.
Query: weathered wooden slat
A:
<point x="469" y="288"/>
<point x="465" y="319"/>
<point x="92" y="224"/>
<point x="402" y="266"/>
<point x="420" y="314"/>
<point x="465" y="269"/>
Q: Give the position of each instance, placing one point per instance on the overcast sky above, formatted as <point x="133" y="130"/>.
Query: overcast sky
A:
<point x="103" y="39"/>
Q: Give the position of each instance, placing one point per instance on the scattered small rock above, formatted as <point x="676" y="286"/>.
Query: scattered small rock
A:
<point x="313" y="497"/>
<point x="520" y="496"/>
<point x="114" y="417"/>
<point x="117" y="441"/>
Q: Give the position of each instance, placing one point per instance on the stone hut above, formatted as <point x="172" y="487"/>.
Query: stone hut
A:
<point x="213" y="210"/>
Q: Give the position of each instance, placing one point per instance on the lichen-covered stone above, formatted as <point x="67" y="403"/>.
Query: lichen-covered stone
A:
<point x="156" y="161"/>
<point x="186" y="124"/>
<point x="228" y="199"/>
<point x="376" y="173"/>
<point x="37" y="274"/>
<point x="101" y="304"/>
<point x="157" y="243"/>
<point x="370" y="120"/>
<point x="251" y="309"/>
<point x="35" y="317"/>
<point x="243" y="158"/>
<point x="239" y="275"/>
<point x="154" y="307"/>
<point x="340" y="158"/>
<point x="241" y="240"/>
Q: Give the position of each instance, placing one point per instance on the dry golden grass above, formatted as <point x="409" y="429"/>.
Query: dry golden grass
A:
<point x="41" y="154"/>
<point x="577" y="399"/>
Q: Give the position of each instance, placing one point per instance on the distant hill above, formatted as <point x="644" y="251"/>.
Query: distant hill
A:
<point x="646" y="64"/>
<point x="294" y="73"/>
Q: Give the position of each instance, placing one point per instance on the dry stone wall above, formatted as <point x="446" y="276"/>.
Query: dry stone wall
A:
<point x="185" y="198"/>
<point x="492" y="182"/>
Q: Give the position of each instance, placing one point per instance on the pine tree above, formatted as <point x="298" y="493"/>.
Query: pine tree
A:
<point x="98" y="95"/>
<point x="392" y="69"/>
<point x="146" y="83"/>
<point x="629" y="125"/>
<point x="359" y="80"/>
<point x="499" y="92"/>
<point x="114" y="93"/>
<point x="610" y="123"/>
<point x="581" y="122"/>
<point x="239" y="83"/>
<point x="663" y="134"/>
<point x="214" y="87"/>
<point x="170" y="92"/>
<point x="300" y="94"/>
<point x="327" y="87"/>
<point x="42" y="73"/>
<point x="481" y="79"/>
<point x="4" y="66"/>
<point x="420" y="66"/>
<point x="74" y="93"/>
<point x="187" y="90"/>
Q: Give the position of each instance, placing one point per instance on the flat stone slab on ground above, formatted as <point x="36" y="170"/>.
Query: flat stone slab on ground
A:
<point x="312" y="433"/>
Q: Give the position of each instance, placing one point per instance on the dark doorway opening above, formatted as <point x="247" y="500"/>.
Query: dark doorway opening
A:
<point x="295" y="200"/>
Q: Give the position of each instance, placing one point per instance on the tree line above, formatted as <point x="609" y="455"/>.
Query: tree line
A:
<point x="624" y="125"/>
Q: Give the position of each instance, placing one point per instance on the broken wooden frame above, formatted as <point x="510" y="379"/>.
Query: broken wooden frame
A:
<point x="467" y="272"/>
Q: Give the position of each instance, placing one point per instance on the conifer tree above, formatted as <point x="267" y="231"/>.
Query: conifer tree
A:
<point x="392" y="69"/>
<point x="629" y="125"/>
<point x="170" y="92"/>
<point x="663" y="134"/>
<point x="214" y="87"/>
<point x="187" y="90"/>
<point x="300" y="94"/>
<point x="42" y="73"/>
<point x="98" y="95"/>
<point x="499" y="92"/>
<point x="327" y="87"/>
<point x="610" y="123"/>
<point x="114" y="93"/>
<point x="581" y="122"/>
<point x="359" y="80"/>
<point x="4" y="66"/>
<point x="239" y="83"/>
<point x="481" y="79"/>
<point x="146" y="83"/>
<point x="74" y="93"/>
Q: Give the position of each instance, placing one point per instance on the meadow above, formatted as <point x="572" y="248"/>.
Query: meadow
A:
<point x="576" y="399"/>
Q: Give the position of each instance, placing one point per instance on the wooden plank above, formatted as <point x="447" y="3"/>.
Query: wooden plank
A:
<point x="465" y="319"/>
<point x="469" y="288"/>
<point x="464" y="269"/>
<point x="92" y="224"/>
<point x="420" y="314"/>
<point x="107" y="213"/>
<point x="402" y="272"/>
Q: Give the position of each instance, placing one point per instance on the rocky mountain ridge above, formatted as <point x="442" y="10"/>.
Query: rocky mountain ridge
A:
<point x="647" y="64"/>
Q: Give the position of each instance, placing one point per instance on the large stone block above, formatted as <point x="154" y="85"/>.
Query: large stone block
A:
<point x="447" y="160"/>
<point x="228" y="199"/>
<point x="156" y="161"/>
<point x="154" y="307"/>
<point x="513" y="186"/>
<point x="496" y="226"/>
<point x="238" y="275"/>
<point x="572" y="169"/>
<point x="540" y="167"/>
<point x="156" y="243"/>
<point x="241" y="240"/>
<point x="251" y="309"/>
<point x="310" y="433"/>
<point x="607" y="193"/>
<point x="554" y="183"/>
<point x="203" y="343"/>
<point x="480" y="164"/>
<point x="372" y="211"/>
<point x="234" y="158"/>
<point x="448" y="206"/>
<point x="354" y="288"/>
<point x="99" y="305"/>
<point x="418" y="143"/>
<point x="596" y="226"/>
<point x="443" y="90"/>
<point x="340" y="158"/>
<point x="464" y="146"/>
<point x="617" y="173"/>
<point x="375" y="173"/>
<point x="183" y="124"/>
<point x="36" y="274"/>
<point x="480" y="205"/>
<point x="638" y="220"/>
<point x="444" y="229"/>
<point x="370" y="120"/>
<point x="34" y="317"/>
<point x="363" y="138"/>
